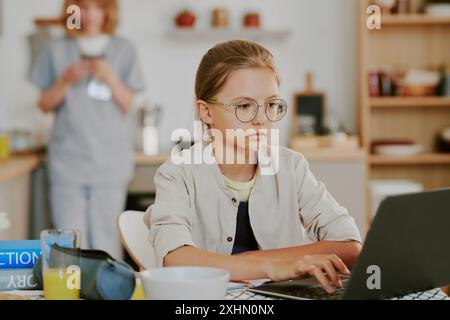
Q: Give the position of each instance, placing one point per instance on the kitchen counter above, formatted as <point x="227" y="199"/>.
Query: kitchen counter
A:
<point x="330" y="154"/>
<point x="18" y="165"/>
<point x="143" y="160"/>
<point x="321" y="154"/>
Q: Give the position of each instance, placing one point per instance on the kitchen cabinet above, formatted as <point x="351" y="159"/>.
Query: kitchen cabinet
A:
<point x="40" y="210"/>
<point x="141" y="191"/>
<point x="14" y="200"/>
<point x="15" y="177"/>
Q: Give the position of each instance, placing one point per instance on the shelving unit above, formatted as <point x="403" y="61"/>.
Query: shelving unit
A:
<point x="399" y="102"/>
<point x="413" y="19"/>
<point x="227" y="34"/>
<point x="420" y="159"/>
<point x="46" y="22"/>
<point x="406" y="41"/>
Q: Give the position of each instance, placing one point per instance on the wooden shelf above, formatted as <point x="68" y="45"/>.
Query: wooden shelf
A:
<point x="420" y="159"/>
<point x="227" y="34"/>
<point x="406" y="41"/>
<point x="48" y="22"/>
<point x="413" y="20"/>
<point x="333" y="154"/>
<point x="410" y="102"/>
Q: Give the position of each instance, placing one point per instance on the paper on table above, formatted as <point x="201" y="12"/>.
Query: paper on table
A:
<point x="24" y="294"/>
<point x="244" y="284"/>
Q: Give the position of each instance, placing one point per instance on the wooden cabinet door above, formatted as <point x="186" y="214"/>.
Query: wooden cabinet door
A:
<point x="14" y="207"/>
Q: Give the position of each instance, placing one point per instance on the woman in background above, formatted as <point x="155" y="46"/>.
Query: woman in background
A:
<point x="88" y="80"/>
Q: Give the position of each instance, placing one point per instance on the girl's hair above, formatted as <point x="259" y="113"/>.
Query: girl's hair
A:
<point x="110" y="8"/>
<point x="224" y="58"/>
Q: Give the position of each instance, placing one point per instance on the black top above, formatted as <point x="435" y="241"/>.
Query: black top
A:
<point x="244" y="238"/>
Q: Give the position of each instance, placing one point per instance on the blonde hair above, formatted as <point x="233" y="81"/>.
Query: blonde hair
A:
<point x="110" y="8"/>
<point x="224" y="58"/>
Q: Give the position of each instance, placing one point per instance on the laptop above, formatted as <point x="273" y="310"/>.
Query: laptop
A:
<point x="407" y="250"/>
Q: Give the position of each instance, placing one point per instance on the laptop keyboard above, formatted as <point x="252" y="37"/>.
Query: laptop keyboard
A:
<point x="318" y="293"/>
<point x="245" y="294"/>
<point x="315" y="292"/>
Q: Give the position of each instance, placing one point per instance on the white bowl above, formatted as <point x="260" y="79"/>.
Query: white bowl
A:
<point x="399" y="150"/>
<point x="438" y="9"/>
<point x="185" y="283"/>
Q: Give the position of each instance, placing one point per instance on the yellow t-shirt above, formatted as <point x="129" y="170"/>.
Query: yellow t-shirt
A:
<point x="240" y="189"/>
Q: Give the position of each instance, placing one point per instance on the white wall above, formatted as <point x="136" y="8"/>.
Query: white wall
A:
<point x="323" y="40"/>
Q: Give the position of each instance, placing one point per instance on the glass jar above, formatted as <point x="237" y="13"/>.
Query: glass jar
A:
<point x="403" y="7"/>
<point x="374" y="82"/>
<point x="4" y="146"/>
<point x="386" y="81"/>
<point x="445" y="88"/>
<point x="306" y="125"/>
<point x="220" y="18"/>
<point x="61" y="272"/>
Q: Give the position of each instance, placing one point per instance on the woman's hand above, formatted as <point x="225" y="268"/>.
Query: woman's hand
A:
<point x="75" y="73"/>
<point x="51" y="98"/>
<point x="323" y="267"/>
<point x="102" y="70"/>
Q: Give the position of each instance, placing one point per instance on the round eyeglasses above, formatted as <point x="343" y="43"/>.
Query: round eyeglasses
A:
<point x="247" y="110"/>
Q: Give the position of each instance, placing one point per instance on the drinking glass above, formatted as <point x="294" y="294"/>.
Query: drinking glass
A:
<point x="60" y="264"/>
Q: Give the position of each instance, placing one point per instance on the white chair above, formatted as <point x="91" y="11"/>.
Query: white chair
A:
<point x="134" y="237"/>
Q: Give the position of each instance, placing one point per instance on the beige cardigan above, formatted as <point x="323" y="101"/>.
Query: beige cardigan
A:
<point x="290" y="208"/>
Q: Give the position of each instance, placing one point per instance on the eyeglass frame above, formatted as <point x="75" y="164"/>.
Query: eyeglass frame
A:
<point x="265" y="105"/>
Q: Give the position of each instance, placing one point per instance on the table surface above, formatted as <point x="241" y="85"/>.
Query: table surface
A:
<point x="434" y="294"/>
<point x="244" y="294"/>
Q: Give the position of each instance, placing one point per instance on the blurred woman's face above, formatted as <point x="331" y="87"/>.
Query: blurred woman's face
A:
<point x="92" y="17"/>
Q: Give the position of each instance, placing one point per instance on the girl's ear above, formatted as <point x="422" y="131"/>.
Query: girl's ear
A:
<point x="204" y="112"/>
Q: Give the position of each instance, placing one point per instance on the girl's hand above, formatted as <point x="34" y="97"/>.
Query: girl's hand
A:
<point x="75" y="73"/>
<point x="102" y="71"/>
<point x="322" y="267"/>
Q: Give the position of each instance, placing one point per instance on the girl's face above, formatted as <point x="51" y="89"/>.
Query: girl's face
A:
<point x="92" y="17"/>
<point x="257" y="84"/>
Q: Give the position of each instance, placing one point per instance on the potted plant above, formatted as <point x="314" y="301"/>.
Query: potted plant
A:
<point x="185" y="19"/>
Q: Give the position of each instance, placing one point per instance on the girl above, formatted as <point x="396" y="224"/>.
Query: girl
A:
<point x="89" y="79"/>
<point x="229" y="215"/>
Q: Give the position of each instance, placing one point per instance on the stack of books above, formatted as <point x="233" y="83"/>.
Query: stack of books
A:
<point x="17" y="259"/>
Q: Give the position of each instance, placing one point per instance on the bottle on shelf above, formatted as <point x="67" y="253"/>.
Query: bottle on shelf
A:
<point x="386" y="81"/>
<point x="220" y="18"/>
<point x="444" y="87"/>
<point x="4" y="145"/>
<point x="403" y="7"/>
<point x="374" y="82"/>
<point x="386" y="6"/>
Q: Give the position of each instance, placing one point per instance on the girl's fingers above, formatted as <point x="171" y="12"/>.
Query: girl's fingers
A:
<point x="318" y="274"/>
<point x="331" y="272"/>
<point x="339" y="264"/>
